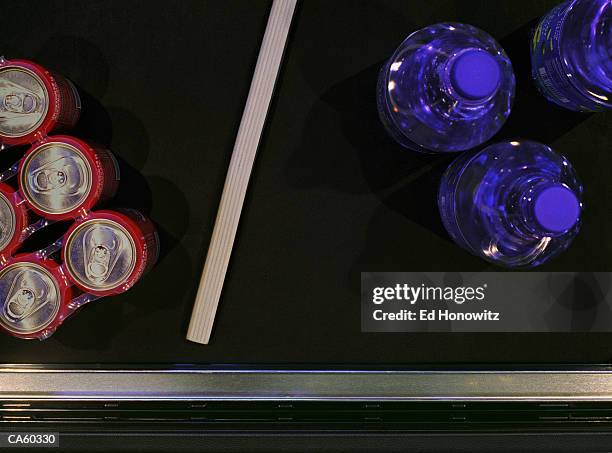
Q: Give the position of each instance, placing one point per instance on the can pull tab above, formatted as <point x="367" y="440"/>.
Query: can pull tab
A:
<point x="23" y="300"/>
<point x="16" y="101"/>
<point x="100" y="257"/>
<point x="49" y="179"/>
<point x="21" y="305"/>
<point x="63" y="174"/>
<point x="21" y="103"/>
<point x="98" y="264"/>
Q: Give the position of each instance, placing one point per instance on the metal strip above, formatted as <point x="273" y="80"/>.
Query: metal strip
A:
<point x="157" y="385"/>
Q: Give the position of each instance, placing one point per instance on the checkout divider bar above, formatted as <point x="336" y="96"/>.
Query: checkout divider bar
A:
<point x="193" y="384"/>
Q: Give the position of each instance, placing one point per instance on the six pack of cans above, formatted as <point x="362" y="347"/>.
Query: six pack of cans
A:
<point x="59" y="178"/>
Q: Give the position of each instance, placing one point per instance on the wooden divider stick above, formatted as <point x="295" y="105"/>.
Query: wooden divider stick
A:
<point x="239" y="172"/>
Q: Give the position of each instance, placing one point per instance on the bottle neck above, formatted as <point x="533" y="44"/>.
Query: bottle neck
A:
<point x="549" y="209"/>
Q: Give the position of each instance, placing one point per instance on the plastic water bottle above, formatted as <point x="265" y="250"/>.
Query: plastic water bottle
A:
<point x="512" y="203"/>
<point x="448" y="87"/>
<point x="571" y="55"/>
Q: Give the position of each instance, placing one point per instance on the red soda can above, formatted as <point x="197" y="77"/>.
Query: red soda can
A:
<point x="34" y="296"/>
<point x="34" y="102"/>
<point x="108" y="251"/>
<point x="63" y="177"/>
<point x="14" y="219"/>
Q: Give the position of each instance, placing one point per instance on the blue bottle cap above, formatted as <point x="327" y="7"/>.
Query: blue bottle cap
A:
<point x="475" y="74"/>
<point x="556" y="208"/>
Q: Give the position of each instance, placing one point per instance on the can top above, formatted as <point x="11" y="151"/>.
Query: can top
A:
<point x="56" y="177"/>
<point x="24" y="101"/>
<point x="7" y="221"/>
<point x="100" y="254"/>
<point x="29" y="298"/>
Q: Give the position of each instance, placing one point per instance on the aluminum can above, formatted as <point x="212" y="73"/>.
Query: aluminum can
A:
<point x="107" y="252"/>
<point x="63" y="177"/>
<point x="34" y="102"/>
<point x="14" y="219"/>
<point x="34" y="297"/>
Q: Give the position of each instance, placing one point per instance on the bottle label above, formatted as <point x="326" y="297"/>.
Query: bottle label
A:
<point x="547" y="63"/>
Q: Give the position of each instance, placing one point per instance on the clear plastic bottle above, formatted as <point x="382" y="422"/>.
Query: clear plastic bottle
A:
<point x="571" y="55"/>
<point x="448" y="87"/>
<point x="512" y="203"/>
